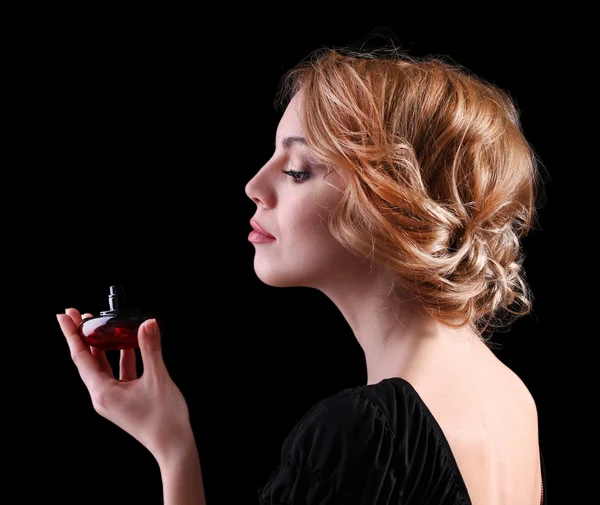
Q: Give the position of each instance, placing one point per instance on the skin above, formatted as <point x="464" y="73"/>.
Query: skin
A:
<point x="150" y="408"/>
<point x="484" y="409"/>
<point x="393" y="337"/>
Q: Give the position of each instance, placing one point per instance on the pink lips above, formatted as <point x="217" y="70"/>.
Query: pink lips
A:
<point x="259" y="235"/>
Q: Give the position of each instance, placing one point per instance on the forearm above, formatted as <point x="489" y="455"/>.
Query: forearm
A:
<point x="182" y="476"/>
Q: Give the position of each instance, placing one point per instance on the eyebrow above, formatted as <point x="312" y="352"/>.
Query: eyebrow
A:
<point x="290" y="141"/>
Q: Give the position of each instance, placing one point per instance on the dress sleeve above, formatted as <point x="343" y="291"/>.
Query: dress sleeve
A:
<point x="340" y="454"/>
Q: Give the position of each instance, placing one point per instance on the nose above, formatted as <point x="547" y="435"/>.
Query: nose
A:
<point x="259" y="189"/>
<point x="249" y="188"/>
<point x="252" y="190"/>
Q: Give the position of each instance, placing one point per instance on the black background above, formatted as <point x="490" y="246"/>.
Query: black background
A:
<point x="141" y="132"/>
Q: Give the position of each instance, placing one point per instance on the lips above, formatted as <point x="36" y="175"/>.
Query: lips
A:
<point x="257" y="227"/>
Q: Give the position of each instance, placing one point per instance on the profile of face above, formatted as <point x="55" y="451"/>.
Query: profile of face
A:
<point x="294" y="195"/>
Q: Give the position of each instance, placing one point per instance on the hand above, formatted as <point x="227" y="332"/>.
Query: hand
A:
<point x="151" y="408"/>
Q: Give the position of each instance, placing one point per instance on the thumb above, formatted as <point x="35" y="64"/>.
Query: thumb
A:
<point x="150" y="346"/>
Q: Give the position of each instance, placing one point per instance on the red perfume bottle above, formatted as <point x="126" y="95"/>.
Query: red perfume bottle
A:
<point x="116" y="328"/>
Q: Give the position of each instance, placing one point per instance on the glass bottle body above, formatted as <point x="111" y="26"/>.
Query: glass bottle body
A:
<point x="112" y="332"/>
<point x="116" y="328"/>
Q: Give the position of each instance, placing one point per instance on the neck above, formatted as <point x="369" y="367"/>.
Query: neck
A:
<point x="397" y="339"/>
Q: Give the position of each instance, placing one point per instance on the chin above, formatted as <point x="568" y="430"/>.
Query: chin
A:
<point x="282" y="278"/>
<point x="278" y="281"/>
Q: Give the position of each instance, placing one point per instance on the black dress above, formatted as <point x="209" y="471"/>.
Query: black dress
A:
<point x="369" y="445"/>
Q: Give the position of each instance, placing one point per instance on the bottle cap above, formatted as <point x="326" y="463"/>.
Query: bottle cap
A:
<point x="117" y="301"/>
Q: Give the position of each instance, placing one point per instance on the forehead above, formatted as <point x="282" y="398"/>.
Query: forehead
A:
<point x="289" y="124"/>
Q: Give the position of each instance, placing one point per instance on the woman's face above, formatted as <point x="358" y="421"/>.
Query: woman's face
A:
<point x="294" y="208"/>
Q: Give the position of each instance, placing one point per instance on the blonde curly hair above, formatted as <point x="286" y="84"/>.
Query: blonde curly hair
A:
<point x="442" y="182"/>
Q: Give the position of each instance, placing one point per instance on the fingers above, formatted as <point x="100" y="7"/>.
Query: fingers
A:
<point x="128" y="371"/>
<point x="150" y="347"/>
<point x="90" y="369"/>
<point x="102" y="359"/>
<point x="98" y="353"/>
<point x="75" y="315"/>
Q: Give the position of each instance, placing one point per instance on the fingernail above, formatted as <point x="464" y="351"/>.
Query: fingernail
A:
<point x="151" y="327"/>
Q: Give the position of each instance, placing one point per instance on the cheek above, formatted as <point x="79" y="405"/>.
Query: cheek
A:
<point x="305" y="221"/>
<point x="309" y="244"/>
<point x="306" y="225"/>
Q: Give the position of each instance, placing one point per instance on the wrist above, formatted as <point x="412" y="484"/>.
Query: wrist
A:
<point x="179" y="444"/>
<point x="181" y="474"/>
<point x="177" y="458"/>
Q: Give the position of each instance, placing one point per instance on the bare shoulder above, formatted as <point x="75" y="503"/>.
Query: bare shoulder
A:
<point x="498" y="400"/>
<point x="505" y="383"/>
<point x="504" y="452"/>
<point x="490" y="420"/>
<point x="479" y="387"/>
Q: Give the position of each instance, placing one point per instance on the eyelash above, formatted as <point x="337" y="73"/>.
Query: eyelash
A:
<point x="294" y="175"/>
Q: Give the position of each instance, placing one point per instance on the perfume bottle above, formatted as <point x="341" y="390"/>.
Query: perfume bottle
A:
<point x="116" y="328"/>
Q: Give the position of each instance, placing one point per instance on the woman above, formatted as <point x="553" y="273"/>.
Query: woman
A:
<point x="399" y="187"/>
